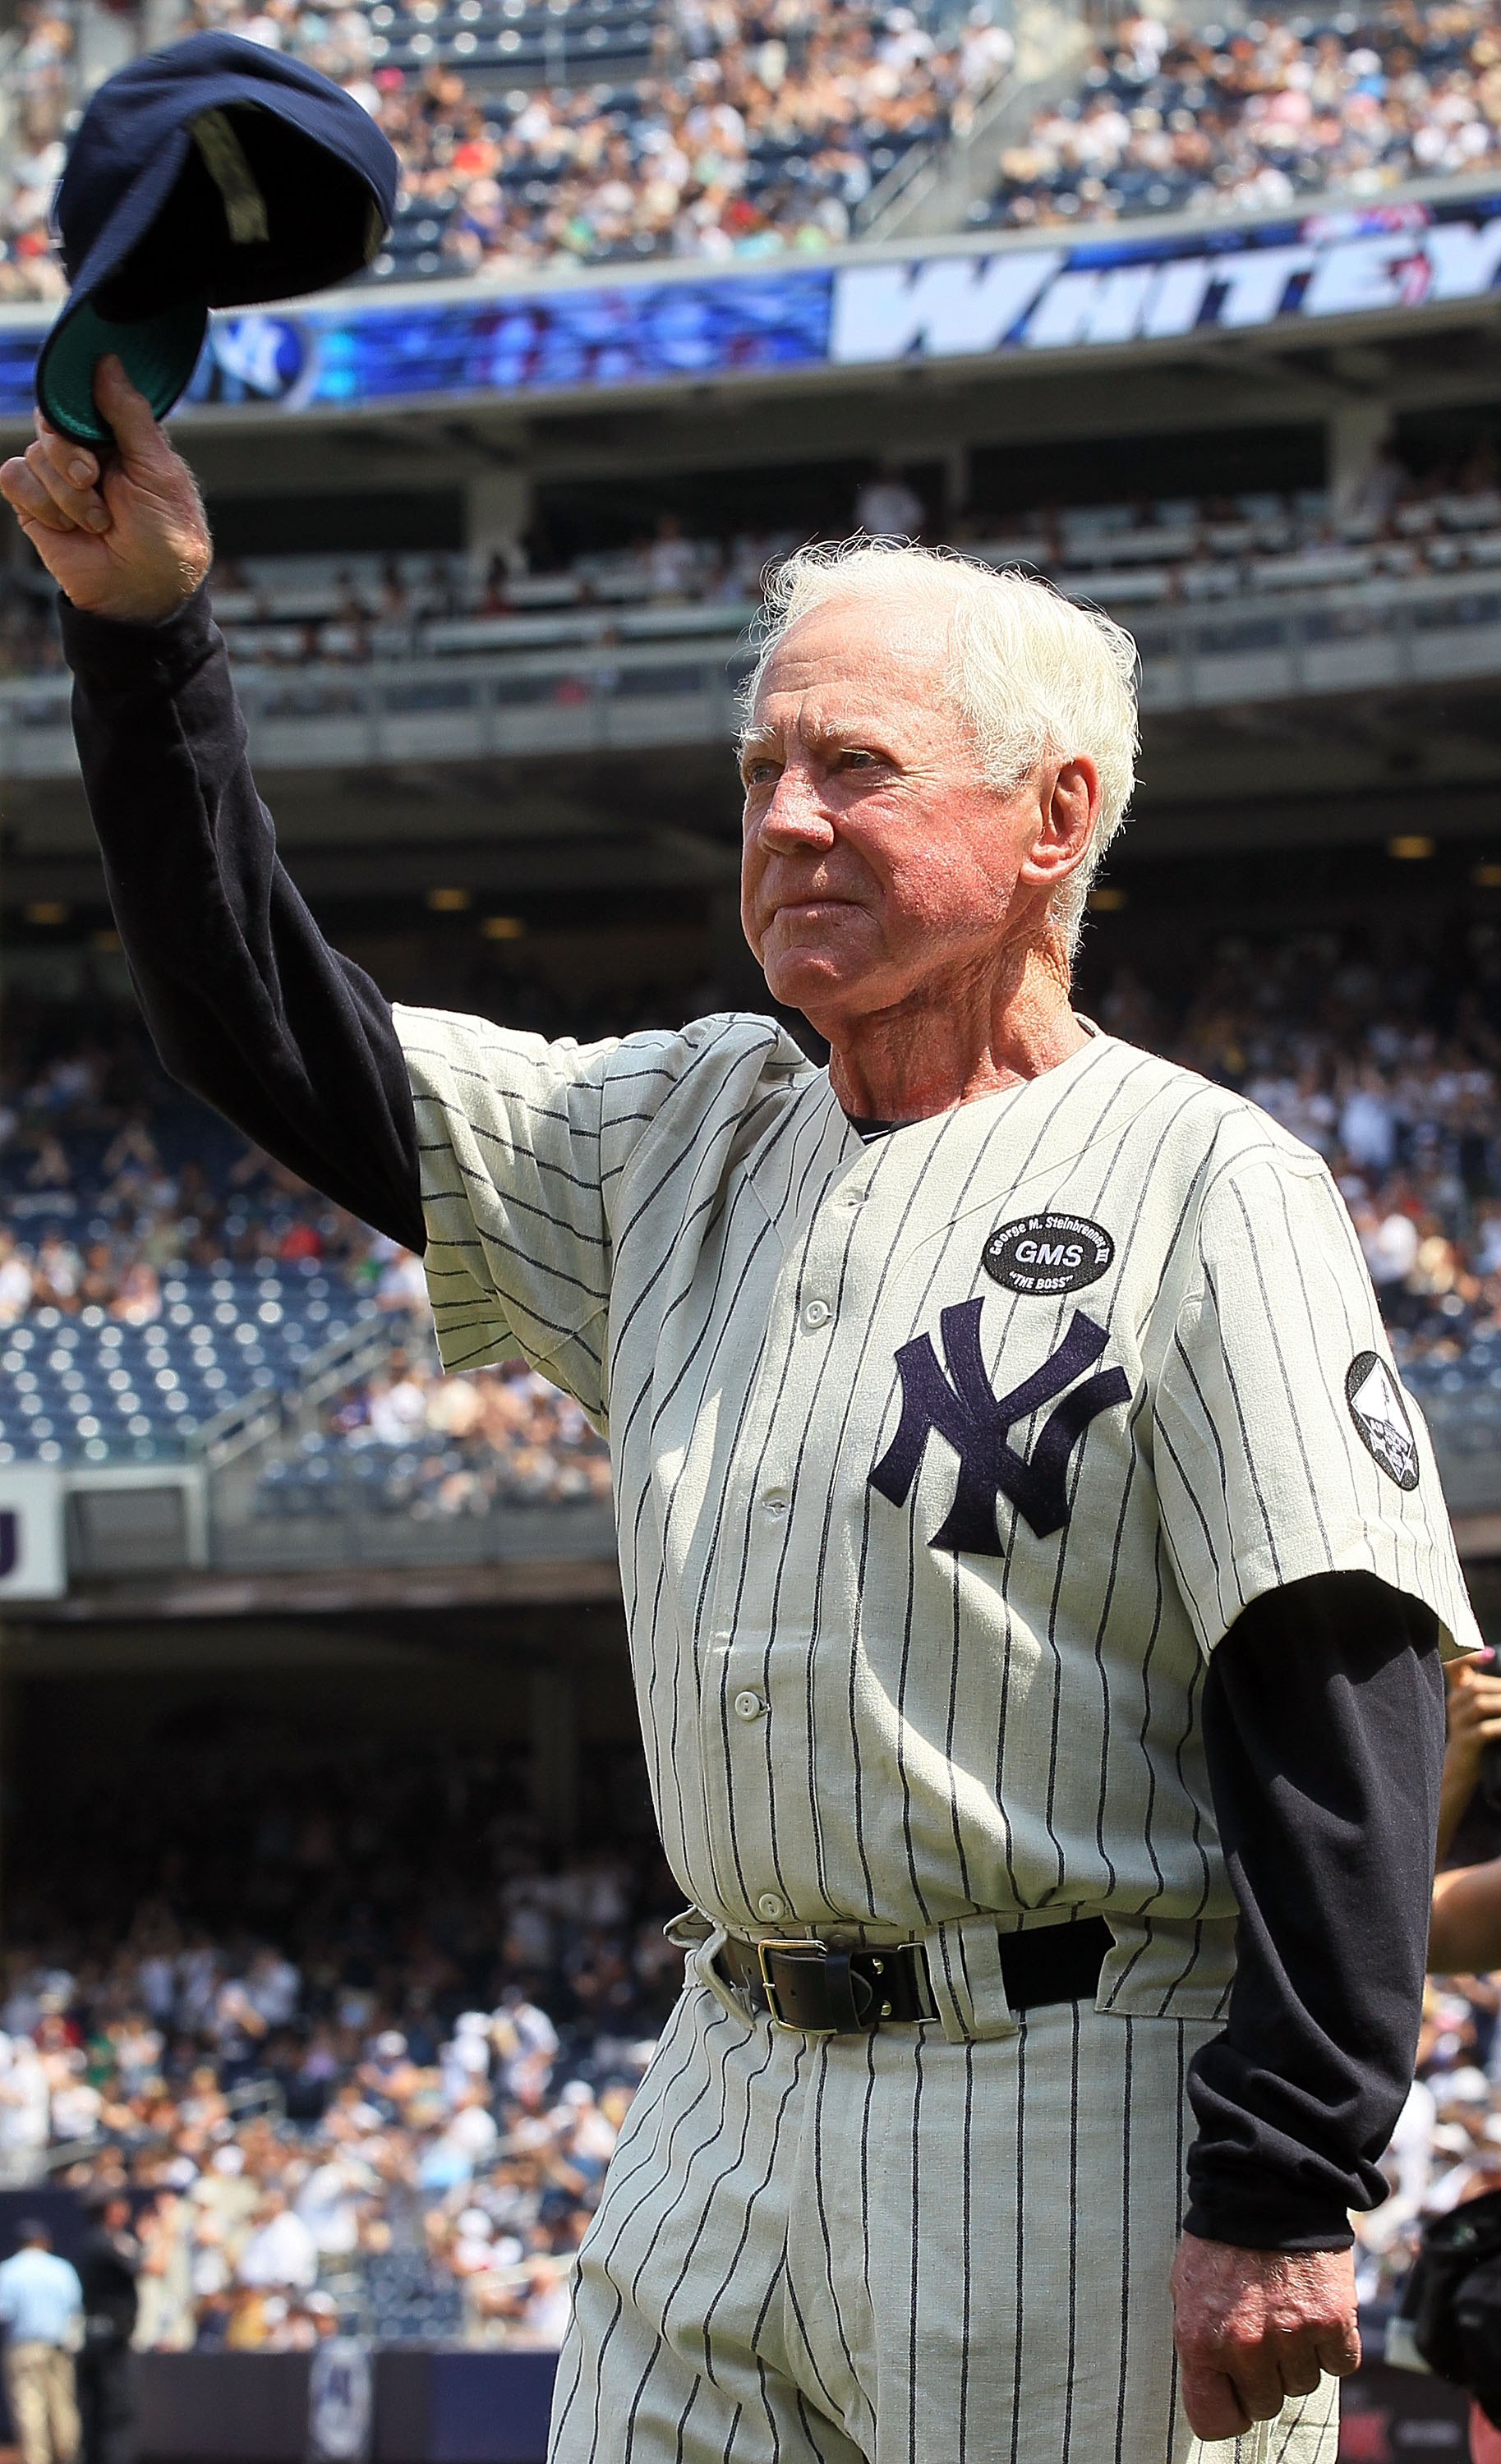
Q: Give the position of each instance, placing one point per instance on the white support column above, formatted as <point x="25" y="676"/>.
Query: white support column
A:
<point x="498" y="509"/>
<point x="1357" y="433"/>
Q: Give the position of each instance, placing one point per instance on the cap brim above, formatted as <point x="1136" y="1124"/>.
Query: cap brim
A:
<point x="159" y="355"/>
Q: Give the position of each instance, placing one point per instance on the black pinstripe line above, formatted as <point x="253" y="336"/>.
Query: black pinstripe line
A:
<point x="806" y="2421"/>
<point x="1100" y="1631"/>
<point x="865" y="2169"/>
<point x="551" y="1169"/>
<point x="722" y="1095"/>
<point x="969" y="1982"/>
<point x="751" y="1487"/>
<point x="1190" y="1491"/>
<point x="644" y="1500"/>
<point x="1125" y="2242"/>
<point x="807" y="2340"/>
<point x="1181" y="2185"/>
<point x="823" y="2212"/>
<point x="1019" y="2287"/>
<point x="853" y="1388"/>
<point x="955" y="1825"/>
<point x="606" y="2260"/>
<point x="916" y="2243"/>
<point x="703" y="1158"/>
<point x="771" y="2419"/>
<point x="966" y="2206"/>
<point x="1147" y="1757"/>
<point x="524" y="1159"/>
<point x="1240" y="1421"/>
<point x="659" y="2347"/>
<point x="735" y="2423"/>
<point x="1287" y="1388"/>
<point x="705" y="2199"/>
<point x="913" y="1544"/>
<point x="756" y="2192"/>
<point x="1073" y="2229"/>
<point x="682" y="2418"/>
<point x="823" y="1372"/>
<point x="1346" y="1451"/>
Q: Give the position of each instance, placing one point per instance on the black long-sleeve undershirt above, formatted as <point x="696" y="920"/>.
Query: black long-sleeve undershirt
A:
<point x="1323" y="1707"/>
<point x="247" y="1003"/>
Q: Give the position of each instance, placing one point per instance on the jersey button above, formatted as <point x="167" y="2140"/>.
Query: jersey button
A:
<point x="776" y="1502"/>
<point x="817" y="1313"/>
<point x="748" y="1705"/>
<point x="770" y="1906"/>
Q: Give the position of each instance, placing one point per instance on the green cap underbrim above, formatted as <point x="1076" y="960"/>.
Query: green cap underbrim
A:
<point x="159" y="354"/>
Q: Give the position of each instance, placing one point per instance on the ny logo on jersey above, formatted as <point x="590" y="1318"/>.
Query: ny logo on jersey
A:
<point x="963" y="1408"/>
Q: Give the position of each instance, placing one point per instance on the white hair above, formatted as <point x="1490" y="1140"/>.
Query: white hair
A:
<point x="1032" y="675"/>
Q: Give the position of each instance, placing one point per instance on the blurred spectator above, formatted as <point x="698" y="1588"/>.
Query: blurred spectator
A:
<point x="109" y="2262"/>
<point x="41" y="2310"/>
<point x="888" y="508"/>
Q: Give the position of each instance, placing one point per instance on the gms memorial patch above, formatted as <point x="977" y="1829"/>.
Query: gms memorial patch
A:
<point x="1047" y="1254"/>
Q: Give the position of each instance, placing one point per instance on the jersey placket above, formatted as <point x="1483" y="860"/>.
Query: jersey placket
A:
<point x="760" y="1590"/>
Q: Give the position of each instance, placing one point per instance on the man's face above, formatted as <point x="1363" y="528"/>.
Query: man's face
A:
<point x="878" y="865"/>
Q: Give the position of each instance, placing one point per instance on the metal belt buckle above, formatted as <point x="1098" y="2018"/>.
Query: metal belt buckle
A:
<point x="808" y="1942"/>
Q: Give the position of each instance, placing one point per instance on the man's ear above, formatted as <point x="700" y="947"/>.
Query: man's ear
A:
<point x="1069" y="804"/>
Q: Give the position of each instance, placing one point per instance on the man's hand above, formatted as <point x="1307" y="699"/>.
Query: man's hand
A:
<point x="1474" y="1719"/>
<point x="1253" y="2327"/>
<point x="122" y="532"/>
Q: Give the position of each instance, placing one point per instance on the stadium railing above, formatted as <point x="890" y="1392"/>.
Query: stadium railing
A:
<point x="605" y="696"/>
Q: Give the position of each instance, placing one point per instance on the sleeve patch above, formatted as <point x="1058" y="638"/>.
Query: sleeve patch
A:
<point x="1381" y="1419"/>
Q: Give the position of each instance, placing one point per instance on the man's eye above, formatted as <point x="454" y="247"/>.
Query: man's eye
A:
<point x="757" y="773"/>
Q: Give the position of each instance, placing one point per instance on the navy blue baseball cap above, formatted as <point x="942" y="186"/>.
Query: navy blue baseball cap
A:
<point x="210" y="175"/>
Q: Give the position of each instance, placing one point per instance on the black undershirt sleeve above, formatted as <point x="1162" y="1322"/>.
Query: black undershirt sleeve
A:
<point x="1323" y="1728"/>
<point x="246" y="1002"/>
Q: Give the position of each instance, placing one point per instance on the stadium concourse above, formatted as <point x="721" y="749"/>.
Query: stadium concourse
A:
<point x="1400" y="527"/>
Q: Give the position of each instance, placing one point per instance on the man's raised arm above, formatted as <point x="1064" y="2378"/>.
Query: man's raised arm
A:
<point x="247" y="1003"/>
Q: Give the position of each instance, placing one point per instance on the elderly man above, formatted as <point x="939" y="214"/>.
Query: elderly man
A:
<point x="1036" y="1578"/>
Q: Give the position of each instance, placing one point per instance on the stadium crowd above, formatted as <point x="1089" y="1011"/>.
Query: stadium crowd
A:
<point x="754" y="126"/>
<point x="762" y="126"/>
<point x="1173" y="117"/>
<point x="362" y="2053"/>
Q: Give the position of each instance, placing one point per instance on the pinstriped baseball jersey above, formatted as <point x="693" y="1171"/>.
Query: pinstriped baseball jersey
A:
<point x="941" y="1462"/>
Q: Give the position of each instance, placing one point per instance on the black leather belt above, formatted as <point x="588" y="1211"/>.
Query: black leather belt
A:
<point x="829" y="1988"/>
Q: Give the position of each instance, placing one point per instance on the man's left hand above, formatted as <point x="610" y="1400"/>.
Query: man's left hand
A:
<point x="1253" y="2327"/>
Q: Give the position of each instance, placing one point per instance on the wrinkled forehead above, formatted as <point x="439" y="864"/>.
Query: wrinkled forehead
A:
<point x="853" y="658"/>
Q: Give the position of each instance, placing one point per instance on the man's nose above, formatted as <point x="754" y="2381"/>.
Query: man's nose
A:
<point x="794" y="819"/>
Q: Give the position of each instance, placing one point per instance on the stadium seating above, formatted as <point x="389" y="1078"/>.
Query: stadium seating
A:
<point x="1291" y="104"/>
<point x="604" y="131"/>
<point x="559" y="131"/>
<point x="94" y="1390"/>
<point x="290" y="611"/>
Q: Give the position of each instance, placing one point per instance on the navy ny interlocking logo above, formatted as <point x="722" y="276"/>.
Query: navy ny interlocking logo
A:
<point x="962" y="1407"/>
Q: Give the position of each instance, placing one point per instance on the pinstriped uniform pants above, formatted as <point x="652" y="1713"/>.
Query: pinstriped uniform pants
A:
<point x="895" y="2249"/>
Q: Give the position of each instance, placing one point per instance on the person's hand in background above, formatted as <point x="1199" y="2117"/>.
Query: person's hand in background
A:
<point x="1474" y="1719"/>
<point x="121" y="531"/>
